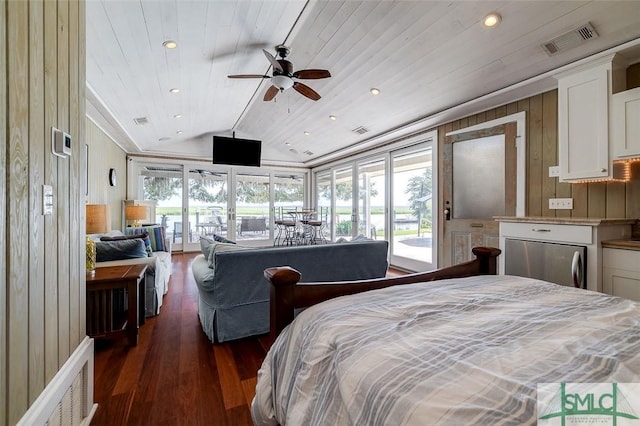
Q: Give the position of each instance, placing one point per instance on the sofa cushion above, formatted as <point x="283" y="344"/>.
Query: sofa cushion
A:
<point x="223" y="247"/>
<point x="156" y="233"/>
<point x="121" y="249"/>
<point x="144" y="237"/>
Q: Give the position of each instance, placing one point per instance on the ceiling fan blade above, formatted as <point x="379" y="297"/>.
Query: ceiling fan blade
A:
<point x="248" y="76"/>
<point x="312" y="74"/>
<point x="274" y="63"/>
<point x="307" y="91"/>
<point x="271" y="93"/>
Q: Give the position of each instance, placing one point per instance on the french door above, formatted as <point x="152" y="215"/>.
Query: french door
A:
<point x="411" y="219"/>
<point x="236" y="204"/>
<point x="385" y="196"/>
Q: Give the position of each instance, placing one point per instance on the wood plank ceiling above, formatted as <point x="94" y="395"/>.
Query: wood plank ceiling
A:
<point x="424" y="56"/>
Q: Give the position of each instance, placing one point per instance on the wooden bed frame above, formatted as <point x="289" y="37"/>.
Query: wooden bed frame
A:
<point x="287" y="294"/>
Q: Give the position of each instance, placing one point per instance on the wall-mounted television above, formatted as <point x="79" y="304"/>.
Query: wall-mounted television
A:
<point x="236" y="152"/>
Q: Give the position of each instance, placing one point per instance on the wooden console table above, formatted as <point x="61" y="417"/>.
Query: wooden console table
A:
<point x="109" y="312"/>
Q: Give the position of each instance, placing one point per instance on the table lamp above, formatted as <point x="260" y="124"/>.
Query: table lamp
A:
<point x="97" y="223"/>
<point x="135" y="213"/>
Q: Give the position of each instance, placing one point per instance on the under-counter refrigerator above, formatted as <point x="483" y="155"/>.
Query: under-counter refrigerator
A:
<point x="563" y="264"/>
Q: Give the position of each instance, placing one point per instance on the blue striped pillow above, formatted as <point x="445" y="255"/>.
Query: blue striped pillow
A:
<point x="156" y="235"/>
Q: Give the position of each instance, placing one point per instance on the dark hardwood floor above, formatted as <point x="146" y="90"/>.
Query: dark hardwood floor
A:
<point x="175" y="375"/>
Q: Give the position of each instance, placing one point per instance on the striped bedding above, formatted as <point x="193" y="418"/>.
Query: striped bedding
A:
<point x="455" y="352"/>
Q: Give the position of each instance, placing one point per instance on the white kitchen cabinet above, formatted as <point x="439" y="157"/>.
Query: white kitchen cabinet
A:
<point x="584" y="118"/>
<point x="625" y="131"/>
<point x="621" y="273"/>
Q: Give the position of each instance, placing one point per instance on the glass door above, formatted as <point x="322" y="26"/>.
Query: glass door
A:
<point x="252" y="212"/>
<point x="163" y="184"/>
<point x="207" y="202"/>
<point x="411" y="235"/>
<point x="345" y="211"/>
<point x="371" y="199"/>
<point x="324" y="202"/>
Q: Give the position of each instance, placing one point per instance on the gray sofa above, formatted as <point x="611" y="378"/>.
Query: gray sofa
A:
<point x="234" y="294"/>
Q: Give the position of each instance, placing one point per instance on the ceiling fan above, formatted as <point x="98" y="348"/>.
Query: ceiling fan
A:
<point x="283" y="76"/>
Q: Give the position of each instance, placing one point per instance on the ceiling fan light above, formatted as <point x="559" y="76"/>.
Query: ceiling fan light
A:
<point x="282" y="82"/>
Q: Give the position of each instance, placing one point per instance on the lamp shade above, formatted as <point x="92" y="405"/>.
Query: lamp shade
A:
<point x="97" y="218"/>
<point x="135" y="212"/>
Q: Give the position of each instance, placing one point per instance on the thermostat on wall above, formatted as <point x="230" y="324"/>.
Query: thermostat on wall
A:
<point x="60" y="142"/>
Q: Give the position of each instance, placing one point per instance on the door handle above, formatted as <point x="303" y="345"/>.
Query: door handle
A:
<point x="576" y="270"/>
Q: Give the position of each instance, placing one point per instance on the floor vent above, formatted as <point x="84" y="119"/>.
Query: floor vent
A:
<point x="571" y="39"/>
<point x="360" y="130"/>
<point x="141" y="121"/>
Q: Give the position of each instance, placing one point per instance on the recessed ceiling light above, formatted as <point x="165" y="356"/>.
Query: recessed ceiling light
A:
<point x="177" y="116"/>
<point x="287" y="144"/>
<point x="179" y="132"/>
<point x="170" y="44"/>
<point x="164" y="139"/>
<point x="374" y="91"/>
<point x="492" y="19"/>
<point x="307" y="133"/>
<point x="333" y="117"/>
<point x="174" y="90"/>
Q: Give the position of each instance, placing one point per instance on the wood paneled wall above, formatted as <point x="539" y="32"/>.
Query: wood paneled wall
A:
<point x="604" y="199"/>
<point x="42" y="297"/>
<point x="105" y="154"/>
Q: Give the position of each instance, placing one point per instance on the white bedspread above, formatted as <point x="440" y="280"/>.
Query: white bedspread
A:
<point x="455" y="352"/>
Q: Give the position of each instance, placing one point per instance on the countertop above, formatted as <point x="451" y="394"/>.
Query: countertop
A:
<point x="566" y="220"/>
<point x="622" y="244"/>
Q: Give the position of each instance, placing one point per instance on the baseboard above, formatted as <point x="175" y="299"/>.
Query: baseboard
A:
<point x="68" y="398"/>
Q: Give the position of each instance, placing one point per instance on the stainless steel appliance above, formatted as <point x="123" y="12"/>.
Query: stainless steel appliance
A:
<point x="563" y="264"/>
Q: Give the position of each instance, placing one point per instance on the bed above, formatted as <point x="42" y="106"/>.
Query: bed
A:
<point x="458" y="346"/>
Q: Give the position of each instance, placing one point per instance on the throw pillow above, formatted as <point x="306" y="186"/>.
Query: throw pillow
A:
<point x="121" y="249"/>
<point x="221" y="239"/>
<point x="205" y="245"/>
<point x="144" y="237"/>
<point x="156" y="233"/>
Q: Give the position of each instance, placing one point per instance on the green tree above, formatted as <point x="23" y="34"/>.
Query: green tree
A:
<point x="419" y="191"/>
<point x="208" y="191"/>
<point x="289" y="192"/>
<point x="344" y="191"/>
<point x="160" y="188"/>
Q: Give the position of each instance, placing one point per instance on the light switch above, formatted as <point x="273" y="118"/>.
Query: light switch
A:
<point x="47" y="199"/>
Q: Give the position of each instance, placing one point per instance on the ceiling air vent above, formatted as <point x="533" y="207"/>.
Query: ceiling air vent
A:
<point x="571" y="39"/>
<point x="308" y="152"/>
<point x="141" y="121"/>
<point x="360" y="130"/>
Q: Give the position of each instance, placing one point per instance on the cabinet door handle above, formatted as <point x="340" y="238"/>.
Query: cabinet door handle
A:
<point x="603" y="170"/>
<point x="540" y="230"/>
